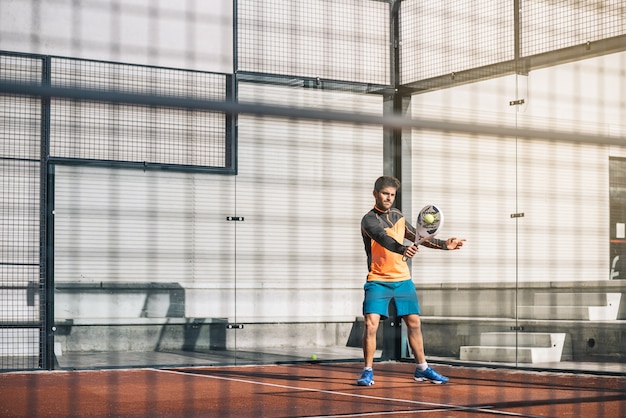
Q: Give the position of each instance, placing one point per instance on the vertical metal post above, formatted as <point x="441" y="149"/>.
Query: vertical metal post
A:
<point x="516" y="32"/>
<point x="46" y="234"/>
<point x="394" y="104"/>
<point x="231" y="125"/>
<point x="392" y="148"/>
<point x="232" y="93"/>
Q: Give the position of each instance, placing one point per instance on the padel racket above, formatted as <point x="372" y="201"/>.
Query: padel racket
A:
<point x="428" y="224"/>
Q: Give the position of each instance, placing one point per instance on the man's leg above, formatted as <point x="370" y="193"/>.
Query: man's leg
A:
<point x="414" y="333"/>
<point x="369" y="338"/>
<point x="369" y="348"/>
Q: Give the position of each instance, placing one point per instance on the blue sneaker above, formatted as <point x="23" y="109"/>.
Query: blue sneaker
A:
<point x="366" y="379"/>
<point x="429" y="374"/>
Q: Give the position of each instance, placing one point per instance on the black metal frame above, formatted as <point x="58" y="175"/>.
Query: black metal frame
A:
<point x="47" y="163"/>
<point x="47" y="228"/>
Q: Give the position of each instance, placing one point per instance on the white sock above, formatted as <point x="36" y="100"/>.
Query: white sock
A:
<point x="422" y="366"/>
<point x="368" y="368"/>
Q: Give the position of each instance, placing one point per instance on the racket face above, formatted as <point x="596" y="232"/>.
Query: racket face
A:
<point x="425" y="228"/>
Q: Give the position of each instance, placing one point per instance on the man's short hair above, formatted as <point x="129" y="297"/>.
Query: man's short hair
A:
<point x="386" y="181"/>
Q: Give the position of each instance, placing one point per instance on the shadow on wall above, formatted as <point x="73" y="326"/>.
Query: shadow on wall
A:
<point x="131" y="316"/>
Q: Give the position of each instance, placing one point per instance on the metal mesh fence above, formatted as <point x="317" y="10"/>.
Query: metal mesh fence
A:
<point x="345" y="40"/>
<point x="552" y="25"/>
<point x="20" y="285"/>
<point x="442" y="38"/>
<point x="140" y="134"/>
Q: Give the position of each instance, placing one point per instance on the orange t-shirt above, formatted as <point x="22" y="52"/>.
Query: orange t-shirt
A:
<point x="383" y="236"/>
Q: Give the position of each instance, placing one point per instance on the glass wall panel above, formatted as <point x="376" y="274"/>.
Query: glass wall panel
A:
<point x="569" y="303"/>
<point x="535" y="284"/>
<point x="144" y="267"/>
<point x="469" y="294"/>
<point x="302" y="188"/>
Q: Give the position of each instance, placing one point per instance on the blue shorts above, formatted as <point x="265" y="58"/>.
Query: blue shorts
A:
<point x="379" y="294"/>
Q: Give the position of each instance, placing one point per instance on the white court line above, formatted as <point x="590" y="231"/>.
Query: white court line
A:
<point x="443" y="407"/>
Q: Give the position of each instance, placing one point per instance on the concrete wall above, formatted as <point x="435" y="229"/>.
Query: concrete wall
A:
<point x="452" y="316"/>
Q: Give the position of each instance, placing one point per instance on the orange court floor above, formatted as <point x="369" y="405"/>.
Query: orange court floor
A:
<point x="313" y="389"/>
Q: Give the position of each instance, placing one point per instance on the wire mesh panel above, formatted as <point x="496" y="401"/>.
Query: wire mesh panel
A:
<point x="442" y="38"/>
<point x="340" y="40"/>
<point x="552" y="25"/>
<point x="132" y="133"/>
<point x="189" y="34"/>
<point x="20" y="289"/>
